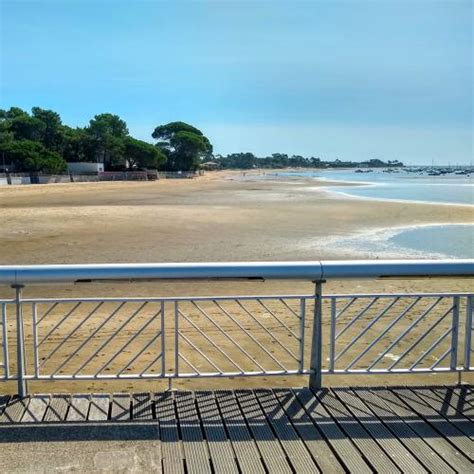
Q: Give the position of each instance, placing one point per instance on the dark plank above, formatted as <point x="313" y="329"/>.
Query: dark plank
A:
<point x="120" y="407"/>
<point x="79" y="408"/>
<point x="445" y="427"/>
<point x="36" y="409"/>
<point x="99" y="409"/>
<point x="392" y="447"/>
<point x="445" y="409"/>
<point x="402" y="431"/>
<point x="244" y="445"/>
<point x="308" y="432"/>
<point x="373" y="453"/>
<point x="341" y="444"/>
<point x="220" y="448"/>
<point x="57" y="409"/>
<point x="272" y="453"/>
<point x="294" y="448"/>
<point x="439" y="444"/>
<point x="14" y="410"/>
<point x="171" y="449"/>
<point x="456" y="398"/>
<point x="195" y="448"/>
<point x="142" y="406"/>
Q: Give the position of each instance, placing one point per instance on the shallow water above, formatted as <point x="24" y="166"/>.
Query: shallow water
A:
<point x="403" y="186"/>
<point x="453" y="241"/>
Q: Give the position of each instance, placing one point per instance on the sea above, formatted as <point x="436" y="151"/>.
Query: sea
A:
<point x="434" y="240"/>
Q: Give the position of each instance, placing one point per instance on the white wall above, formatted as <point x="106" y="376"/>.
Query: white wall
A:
<point x="80" y="167"/>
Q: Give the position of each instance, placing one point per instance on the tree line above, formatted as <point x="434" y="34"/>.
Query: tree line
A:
<point x="40" y="142"/>
<point x="282" y="160"/>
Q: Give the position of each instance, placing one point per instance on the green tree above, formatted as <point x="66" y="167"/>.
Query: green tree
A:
<point x="183" y="144"/>
<point x="107" y="133"/>
<point x="140" y="154"/>
<point x="31" y="156"/>
<point x="51" y="135"/>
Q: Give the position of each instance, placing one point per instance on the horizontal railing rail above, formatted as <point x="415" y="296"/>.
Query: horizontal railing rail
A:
<point x="176" y="337"/>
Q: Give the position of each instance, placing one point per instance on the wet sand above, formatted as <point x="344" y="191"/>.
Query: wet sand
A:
<point x="223" y="216"/>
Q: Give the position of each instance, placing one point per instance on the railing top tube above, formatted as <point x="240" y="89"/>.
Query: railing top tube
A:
<point x="310" y="271"/>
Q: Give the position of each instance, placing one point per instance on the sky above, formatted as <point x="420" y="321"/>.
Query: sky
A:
<point x="353" y="79"/>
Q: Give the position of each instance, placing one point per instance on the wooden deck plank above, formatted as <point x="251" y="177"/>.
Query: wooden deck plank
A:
<point x="405" y="434"/>
<point x="392" y="447"/>
<point x="14" y="410"/>
<point x="319" y="449"/>
<point x="373" y="453"/>
<point x="36" y="409"/>
<point x="342" y="445"/>
<point x="99" y="408"/>
<point x="142" y="406"/>
<point x="441" y="424"/>
<point x="220" y="448"/>
<point x="120" y="407"/>
<point x="246" y="452"/>
<point x="445" y="409"/>
<point x="457" y="399"/>
<point x="171" y="450"/>
<point x="195" y="448"/>
<point x="79" y="408"/>
<point x="57" y="409"/>
<point x="439" y="444"/>
<point x="294" y="448"/>
<point x="270" y="449"/>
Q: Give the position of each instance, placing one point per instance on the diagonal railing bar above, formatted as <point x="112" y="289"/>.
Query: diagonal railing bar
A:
<point x="404" y="333"/>
<point x="441" y="359"/>
<point x="230" y="338"/>
<point x="189" y="363"/>
<point x="154" y="361"/>
<point x="343" y="310"/>
<point x="201" y="353"/>
<point x="47" y="313"/>
<point x="432" y="348"/>
<point x="60" y="322"/>
<point x="139" y="353"/>
<point x="367" y="328"/>
<point x="70" y="335"/>
<point x="295" y="357"/>
<point x="356" y="318"/>
<point x="110" y="338"/>
<point x="250" y="335"/>
<point x="208" y="339"/>
<point x="289" y="307"/>
<point x="124" y="346"/>
<point x="278" y="319"/>
<point x="407" y="351"/>
<point x="382" y="334"/>
<point x="96" y="330"/>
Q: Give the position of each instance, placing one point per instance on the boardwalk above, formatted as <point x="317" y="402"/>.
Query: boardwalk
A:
<point x="422" y="429"/>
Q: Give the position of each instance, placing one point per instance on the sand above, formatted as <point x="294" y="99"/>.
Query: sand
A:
<point x="222" y="216"/>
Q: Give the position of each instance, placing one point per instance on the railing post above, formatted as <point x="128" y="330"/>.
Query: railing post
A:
<point x="455" y="334"/>
<point x="20" y="342"/>
<point x="316" y="340"/>
<point x="468" y="335"/>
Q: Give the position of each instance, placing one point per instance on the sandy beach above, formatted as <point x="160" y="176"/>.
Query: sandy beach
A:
<point x="222" y="216"/>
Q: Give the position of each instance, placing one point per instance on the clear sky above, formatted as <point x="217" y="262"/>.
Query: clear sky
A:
<point x="336" y="79"/>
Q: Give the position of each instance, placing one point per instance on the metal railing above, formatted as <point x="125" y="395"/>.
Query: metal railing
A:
<point x="233" y="336"/>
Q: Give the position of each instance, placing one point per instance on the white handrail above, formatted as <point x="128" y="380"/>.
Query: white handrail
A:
<point x="311" y="271"/>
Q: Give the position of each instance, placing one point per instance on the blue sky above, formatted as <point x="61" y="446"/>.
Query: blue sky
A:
<point x="336" y="79"/>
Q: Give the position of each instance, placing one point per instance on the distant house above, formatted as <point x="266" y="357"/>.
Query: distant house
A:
<point x="85" y="168"/>
<point x="210" y="165"/>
